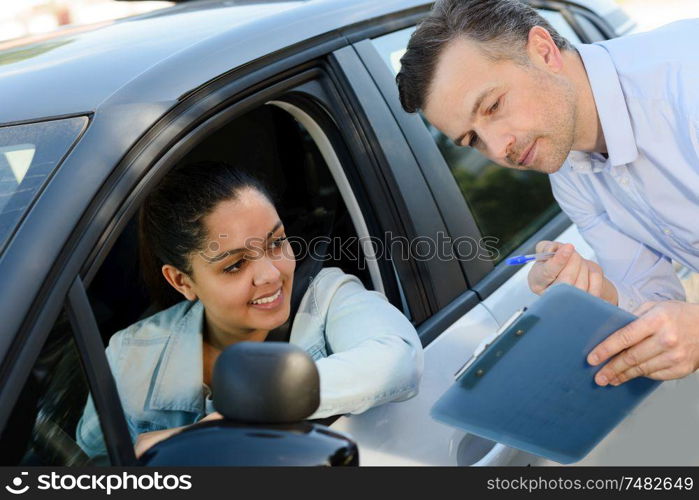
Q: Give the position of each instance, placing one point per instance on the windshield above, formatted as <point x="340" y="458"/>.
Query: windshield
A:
<point x="28" y="155"/>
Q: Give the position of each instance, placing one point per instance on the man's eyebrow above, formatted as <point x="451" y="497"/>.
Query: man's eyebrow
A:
<point x="225" y="254"/>
<point x="476" y="105"/>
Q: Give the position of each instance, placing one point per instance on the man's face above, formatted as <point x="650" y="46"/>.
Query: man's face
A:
<point x="520" y="116"/>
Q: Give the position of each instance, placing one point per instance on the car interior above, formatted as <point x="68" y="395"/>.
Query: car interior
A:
<point x="269" y="143"/>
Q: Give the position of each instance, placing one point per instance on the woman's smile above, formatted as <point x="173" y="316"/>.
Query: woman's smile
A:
<point x="270" y="301"/>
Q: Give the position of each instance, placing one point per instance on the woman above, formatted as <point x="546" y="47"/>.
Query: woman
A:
<point x="214" y="235"/>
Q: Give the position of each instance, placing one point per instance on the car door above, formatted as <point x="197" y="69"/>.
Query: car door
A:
<point x="460" y="181"/>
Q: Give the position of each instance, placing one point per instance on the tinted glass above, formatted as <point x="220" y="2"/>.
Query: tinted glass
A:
<point x="510" y="205"/>
<point x="41" y="428"/>
<point x="28" y="155"/>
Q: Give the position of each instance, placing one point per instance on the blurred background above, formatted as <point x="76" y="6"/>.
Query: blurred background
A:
<point x="19" y="18"/>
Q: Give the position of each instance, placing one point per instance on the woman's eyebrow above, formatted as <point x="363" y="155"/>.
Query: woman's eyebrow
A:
<point x="227" y="253"/>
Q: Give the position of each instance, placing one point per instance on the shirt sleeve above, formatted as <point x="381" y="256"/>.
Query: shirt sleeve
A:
<point x="638" y="272"/>
<point x="375" y="354"/>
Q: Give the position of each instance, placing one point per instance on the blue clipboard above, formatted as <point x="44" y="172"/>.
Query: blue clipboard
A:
<point x="531" y="387"/>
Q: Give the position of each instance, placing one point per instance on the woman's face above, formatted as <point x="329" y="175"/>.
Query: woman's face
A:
<point x="243" y="277"/>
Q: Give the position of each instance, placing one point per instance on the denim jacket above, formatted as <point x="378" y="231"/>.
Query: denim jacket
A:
<point x="367" y="353"/>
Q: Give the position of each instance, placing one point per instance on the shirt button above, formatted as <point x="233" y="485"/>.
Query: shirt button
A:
<point x="624" y="181"/>
<point x="667" y="231"/>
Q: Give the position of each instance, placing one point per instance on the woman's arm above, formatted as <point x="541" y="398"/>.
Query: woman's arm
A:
<point x="375" y="353"/>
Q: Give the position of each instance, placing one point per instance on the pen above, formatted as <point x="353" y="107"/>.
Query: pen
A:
<point x="523" y="259"/>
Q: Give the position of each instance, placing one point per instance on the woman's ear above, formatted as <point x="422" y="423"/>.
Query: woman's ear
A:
<point x="179" y="281"/>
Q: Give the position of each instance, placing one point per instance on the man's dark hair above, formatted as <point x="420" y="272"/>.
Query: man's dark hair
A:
<point x="502" y="26"/>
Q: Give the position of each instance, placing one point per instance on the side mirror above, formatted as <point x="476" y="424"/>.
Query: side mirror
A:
<point x="264" y="390"/>
<point x="265" y="383"/>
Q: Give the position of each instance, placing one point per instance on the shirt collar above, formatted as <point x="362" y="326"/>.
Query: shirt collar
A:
<point x="178" y="380"/>
<point x="613" y="113"/>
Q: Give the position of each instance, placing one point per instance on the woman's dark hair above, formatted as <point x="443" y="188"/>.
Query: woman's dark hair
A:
<point x="171" y="224"/>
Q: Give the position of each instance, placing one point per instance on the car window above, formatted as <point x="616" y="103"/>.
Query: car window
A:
<point x="41" y="429"/>
<point x="28" y="155"/>
<point x="483" y="184"/>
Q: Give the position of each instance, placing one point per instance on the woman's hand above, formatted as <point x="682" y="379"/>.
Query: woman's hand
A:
<point x="212" y="416"/>
<point x="148" y="439"/>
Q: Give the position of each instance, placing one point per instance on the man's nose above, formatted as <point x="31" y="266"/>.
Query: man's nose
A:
<point x="265" y="271"/>
<point x="499" y="145"/>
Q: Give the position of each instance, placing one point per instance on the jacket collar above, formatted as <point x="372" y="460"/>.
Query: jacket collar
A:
<point x="177" y="383"/>
<point x="613" y="113"/>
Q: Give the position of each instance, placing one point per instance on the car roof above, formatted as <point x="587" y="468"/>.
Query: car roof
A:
<point x="160" y="56"/>
<point x="170" y="51"/>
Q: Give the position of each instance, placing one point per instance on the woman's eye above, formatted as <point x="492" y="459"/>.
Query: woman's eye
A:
<point x="278" y="242"/>
<point x="494" y="107"/>
<point x="234" y="267"/>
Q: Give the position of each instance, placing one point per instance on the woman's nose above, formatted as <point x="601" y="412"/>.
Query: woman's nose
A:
<point x="265" y="271"/>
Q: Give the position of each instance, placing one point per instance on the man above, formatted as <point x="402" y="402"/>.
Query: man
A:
<point x="616" y="126"/>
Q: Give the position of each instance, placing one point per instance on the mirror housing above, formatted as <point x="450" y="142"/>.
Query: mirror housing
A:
<point x="265" y="383"/>
<point x="264" y="390"/>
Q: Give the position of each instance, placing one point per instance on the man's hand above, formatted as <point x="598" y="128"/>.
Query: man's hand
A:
<point x="568" y="266"/>
<point x="663" y="344"/>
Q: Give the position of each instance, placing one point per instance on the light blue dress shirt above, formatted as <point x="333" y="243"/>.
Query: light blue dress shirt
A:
<point x="366" y="351"/>
<point x="639" y="209"/>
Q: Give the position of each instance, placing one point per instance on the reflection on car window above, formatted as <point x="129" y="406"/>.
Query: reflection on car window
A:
<point x="41" y="429"/>
<point x="510" y="205"/>
<point x="28" y="155"/>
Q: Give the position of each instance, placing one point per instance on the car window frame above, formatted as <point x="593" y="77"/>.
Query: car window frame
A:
<point x="92" y="357"/>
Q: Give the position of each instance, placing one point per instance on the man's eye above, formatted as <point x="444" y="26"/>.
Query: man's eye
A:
<point x="494" y="107"/>
<point x="473" y="141"/>
<point x="234" y="267"/>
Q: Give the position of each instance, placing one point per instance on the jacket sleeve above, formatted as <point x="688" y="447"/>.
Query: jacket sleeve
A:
<point x="375" y="355"/>
<point x="88" y="433"/>
<point x="638" y="272"/>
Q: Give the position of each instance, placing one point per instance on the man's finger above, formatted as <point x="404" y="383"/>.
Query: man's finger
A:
<point x="629" y="361"/>
<point x="583" y="280"/>
<point x="596" y="283"/>
<point x="624" y="338"/>
<point x="546" y="246"/>
<point x="552" y="267"/>
<point x="650" y="368"/>
<point x="569" y="273"/>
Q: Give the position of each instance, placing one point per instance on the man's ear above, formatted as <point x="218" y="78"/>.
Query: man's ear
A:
<point x="179" y="281"/>
<point x="542" y="50"/>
